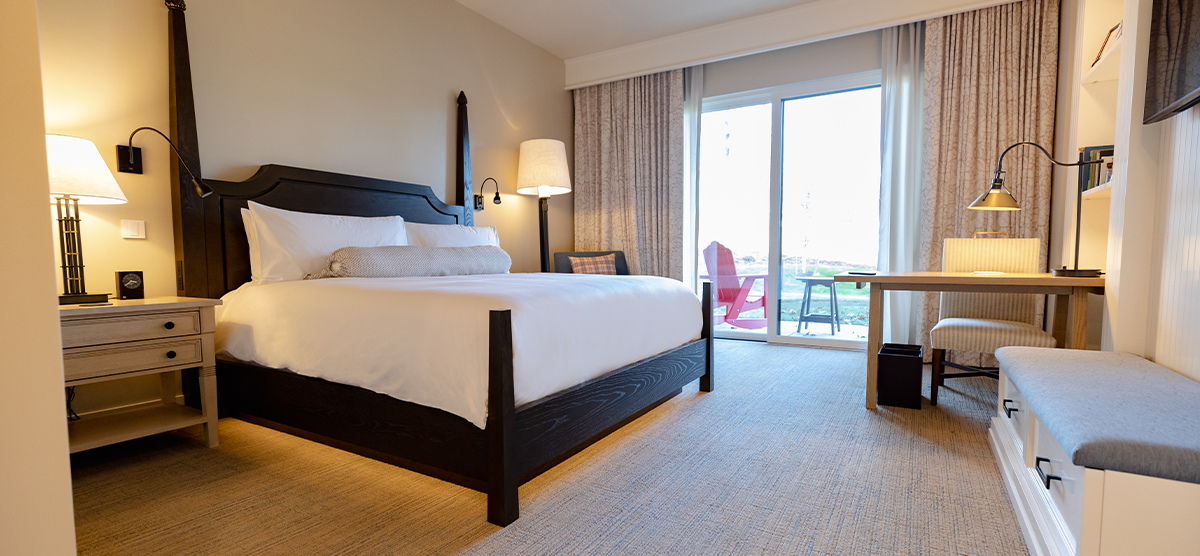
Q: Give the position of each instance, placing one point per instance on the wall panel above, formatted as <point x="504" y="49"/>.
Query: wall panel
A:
<point x="1176" y="297"/>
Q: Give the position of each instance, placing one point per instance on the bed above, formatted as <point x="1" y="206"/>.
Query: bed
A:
<point x="517" y="443"/>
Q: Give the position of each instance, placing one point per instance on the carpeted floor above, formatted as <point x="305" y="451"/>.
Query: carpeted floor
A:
<point x="781" y="459"/>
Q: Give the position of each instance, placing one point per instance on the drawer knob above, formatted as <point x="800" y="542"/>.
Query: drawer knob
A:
<point x="1008" y="411"/>
<point x="170" y="325"/>
<point x="171" y="354"/>
<point x="1045" y="477"/>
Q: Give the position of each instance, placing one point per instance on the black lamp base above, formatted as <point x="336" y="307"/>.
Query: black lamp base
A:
<point x="1077" y="272"/>
<point x="77" y="298"/>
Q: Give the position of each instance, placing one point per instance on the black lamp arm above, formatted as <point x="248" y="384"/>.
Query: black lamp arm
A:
<point x="1045" y="152"/>
<point x="479" y="196"/>
<point x="202" y="189"/>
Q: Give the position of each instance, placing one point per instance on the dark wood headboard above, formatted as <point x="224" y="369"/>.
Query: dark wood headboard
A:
<point x="304" y="190"/>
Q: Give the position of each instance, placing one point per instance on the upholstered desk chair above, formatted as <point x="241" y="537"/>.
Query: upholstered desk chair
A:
<point x="562" y="261"/>
<point x="985" y="322"/>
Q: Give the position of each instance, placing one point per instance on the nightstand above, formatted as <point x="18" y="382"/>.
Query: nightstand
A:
<point x="139" y="337"/>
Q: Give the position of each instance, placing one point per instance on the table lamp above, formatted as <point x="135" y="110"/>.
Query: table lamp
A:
<point x="542" y="170"/>
<point x="78" y="176"/>
<point x="999" y="198"/>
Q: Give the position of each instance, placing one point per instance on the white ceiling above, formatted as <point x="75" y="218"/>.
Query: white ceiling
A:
<point x="573" y="28"/>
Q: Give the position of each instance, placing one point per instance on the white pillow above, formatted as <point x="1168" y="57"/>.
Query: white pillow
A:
<point x="450" y="235"/>
<point x="252" y="239"/>
<point x="293" y="244"/>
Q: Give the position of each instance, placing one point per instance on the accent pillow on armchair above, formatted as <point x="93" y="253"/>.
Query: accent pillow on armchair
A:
<point x="592" y="262"/>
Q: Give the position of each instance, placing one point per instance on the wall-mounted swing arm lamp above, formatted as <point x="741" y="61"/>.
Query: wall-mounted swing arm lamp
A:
<point x="479" y="196"/>
<point x="998" y="198"/>
<point x="129" y="160"/>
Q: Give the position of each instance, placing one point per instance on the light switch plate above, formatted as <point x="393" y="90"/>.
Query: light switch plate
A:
<point x="133" y="229"/>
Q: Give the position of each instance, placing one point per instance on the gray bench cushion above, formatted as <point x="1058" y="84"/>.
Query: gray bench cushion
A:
<point x="1113" y="411"/>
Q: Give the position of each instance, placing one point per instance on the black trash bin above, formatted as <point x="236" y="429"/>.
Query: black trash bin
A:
<point x="899" y="378"/>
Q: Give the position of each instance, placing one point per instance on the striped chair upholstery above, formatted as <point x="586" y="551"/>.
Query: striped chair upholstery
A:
<point x="985" y="322"/>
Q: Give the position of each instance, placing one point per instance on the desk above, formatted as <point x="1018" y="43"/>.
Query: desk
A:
<point x="1070" y="319"/>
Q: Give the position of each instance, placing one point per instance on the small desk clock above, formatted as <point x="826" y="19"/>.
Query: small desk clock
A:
<point x="130" y="285"/>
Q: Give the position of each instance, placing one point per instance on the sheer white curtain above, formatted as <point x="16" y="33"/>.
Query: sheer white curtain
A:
<point x="693" y="96"/>
<point x="900" y="178"/>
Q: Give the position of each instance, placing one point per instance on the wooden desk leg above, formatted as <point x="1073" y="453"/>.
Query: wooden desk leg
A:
<point x="1059" y="331"/>
<point x="208" y="403"/>
<point x="1077" y="319"/>
<point x="874" y="341"/>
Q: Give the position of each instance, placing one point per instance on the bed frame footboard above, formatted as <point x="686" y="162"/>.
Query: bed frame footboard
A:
<point x="524" y="442"/>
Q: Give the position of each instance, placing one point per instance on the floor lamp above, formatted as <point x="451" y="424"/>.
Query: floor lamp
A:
<point x="78" y="176"/>
<point x="542" y="170"/>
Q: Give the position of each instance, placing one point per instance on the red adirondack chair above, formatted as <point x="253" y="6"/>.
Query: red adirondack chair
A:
<point x="733" y="290"/>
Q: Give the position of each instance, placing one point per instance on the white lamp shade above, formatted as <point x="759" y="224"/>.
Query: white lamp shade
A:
<point x="76" y="169"/>
<point x="542" y="169"/>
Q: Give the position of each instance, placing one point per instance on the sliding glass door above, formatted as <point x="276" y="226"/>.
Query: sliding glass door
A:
<point x="788" y="196"/>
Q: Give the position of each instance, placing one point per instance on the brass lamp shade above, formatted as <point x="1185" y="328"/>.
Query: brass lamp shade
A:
<point x="995" y="198"/>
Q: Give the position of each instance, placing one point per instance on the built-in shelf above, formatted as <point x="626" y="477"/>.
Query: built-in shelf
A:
<point x="119" y="426"/>
<point x="1108" y="68"/>
<point x="1098" y="192"/>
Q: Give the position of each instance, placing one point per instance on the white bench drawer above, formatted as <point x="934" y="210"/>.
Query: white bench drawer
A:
<point x="1060" y="480"/>
<point x="1014" y="413"/>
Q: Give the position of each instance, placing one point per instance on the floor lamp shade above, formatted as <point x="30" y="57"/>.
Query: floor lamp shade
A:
<point x="542" y="171"/>
<point x="78" y="175"/>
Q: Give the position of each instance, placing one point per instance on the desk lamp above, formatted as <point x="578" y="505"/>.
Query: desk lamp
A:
<point x="998" y="198"/>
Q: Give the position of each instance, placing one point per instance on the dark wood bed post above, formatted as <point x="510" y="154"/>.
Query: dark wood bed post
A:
<point x="462" y="166"/>
<point x="706" y="332"/>
<point x="503" y="507"/>
<point x="191" y="278"/>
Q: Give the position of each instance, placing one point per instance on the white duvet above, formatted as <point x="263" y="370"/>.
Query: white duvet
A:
<point x="425" y="340"/>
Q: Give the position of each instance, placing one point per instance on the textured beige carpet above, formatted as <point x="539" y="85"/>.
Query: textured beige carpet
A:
<point x="781" y="459"/>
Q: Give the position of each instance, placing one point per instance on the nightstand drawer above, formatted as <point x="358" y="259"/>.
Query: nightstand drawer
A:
<point x="110" y="330"/>
<point x="84" y="363"/>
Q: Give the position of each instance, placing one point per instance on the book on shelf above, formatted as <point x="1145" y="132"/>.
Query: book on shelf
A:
<point x="1095" y="175"/>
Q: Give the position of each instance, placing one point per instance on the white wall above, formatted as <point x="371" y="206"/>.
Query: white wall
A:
<point x="1175" y="289"/>
<point x="367" y="87"/>
<point x="808" y="62"/>
<point x="36" y="515"/>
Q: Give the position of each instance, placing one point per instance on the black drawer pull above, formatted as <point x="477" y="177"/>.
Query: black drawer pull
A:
<point x="1045" y="478"/>
<point x="169" y="325"/>
<point x="1008" y="411"/>
<point x="171" y="354"/>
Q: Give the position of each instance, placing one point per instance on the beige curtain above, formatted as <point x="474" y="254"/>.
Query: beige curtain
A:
<point x="990" y="81"/>
<point x="629" y="141"/>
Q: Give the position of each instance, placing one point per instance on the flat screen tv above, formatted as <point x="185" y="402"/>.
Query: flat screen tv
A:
<point x="1173" y="73"/>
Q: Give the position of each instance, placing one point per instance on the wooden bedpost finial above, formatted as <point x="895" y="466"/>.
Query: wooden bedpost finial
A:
<point x="462" y="97"/>
<point x="176" y="5"/>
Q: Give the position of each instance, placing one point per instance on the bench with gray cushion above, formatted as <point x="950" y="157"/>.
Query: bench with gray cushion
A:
<point x="1112" y="411"/>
